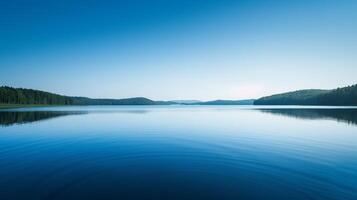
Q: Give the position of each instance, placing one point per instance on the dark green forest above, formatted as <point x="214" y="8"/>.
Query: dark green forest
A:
<point x="346" y="96"/>
<point x="9" y="95"/>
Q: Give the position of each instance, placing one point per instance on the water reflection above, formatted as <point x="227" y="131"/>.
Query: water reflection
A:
<point x="29" y="115"/>
<point x="13" y="118"/>
<point x="26" y="115"/>
<point x="340" y="115"/>
<point x="187" y="152"/>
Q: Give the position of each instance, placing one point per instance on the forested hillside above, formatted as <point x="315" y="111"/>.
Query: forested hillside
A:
<point x="9" y="95"/>
<point x="346" y="96"/>
<point x="340" y="96"/>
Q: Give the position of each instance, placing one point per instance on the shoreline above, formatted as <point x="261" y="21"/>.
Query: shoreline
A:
<point x="14" y="106"/>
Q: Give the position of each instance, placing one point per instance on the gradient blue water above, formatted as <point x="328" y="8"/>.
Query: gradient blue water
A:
<point x="179" y="152"/>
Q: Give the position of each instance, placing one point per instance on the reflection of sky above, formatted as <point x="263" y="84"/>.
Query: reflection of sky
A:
<point x="177" y="49"/>
<point x="200" y="143"/>
<point x="202" y="121"/>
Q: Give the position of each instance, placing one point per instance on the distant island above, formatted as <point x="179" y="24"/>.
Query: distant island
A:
<point x="17" y="97"/>
<point x="345" y="96"/>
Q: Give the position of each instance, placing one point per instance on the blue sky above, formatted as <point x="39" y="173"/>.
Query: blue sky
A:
<point x="177" y="49"/>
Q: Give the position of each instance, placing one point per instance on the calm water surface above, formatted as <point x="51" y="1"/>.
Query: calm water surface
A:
<point x="178" y="152"/>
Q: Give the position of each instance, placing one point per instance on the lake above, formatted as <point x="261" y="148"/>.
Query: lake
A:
<point x="178" y="152"/>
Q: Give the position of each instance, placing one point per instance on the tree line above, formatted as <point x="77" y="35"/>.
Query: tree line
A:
<point x="339" y="97"/>
<point x="9" y="95"/>
<point x="346" y="96"/>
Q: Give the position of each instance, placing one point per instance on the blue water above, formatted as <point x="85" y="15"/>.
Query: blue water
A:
<point x="178" y="152"/>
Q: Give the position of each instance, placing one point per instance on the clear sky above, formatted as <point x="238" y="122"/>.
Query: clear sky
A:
<point x="177" y="49"/>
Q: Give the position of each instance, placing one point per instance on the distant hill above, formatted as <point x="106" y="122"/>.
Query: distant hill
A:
<point x="128" y="101"/>
<point x="215" y="102"/>
<point x="185" y="101"/>
<point x="227" y="102"/>
<point x="9" y="95"/>
<point x="346" y="96"/>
